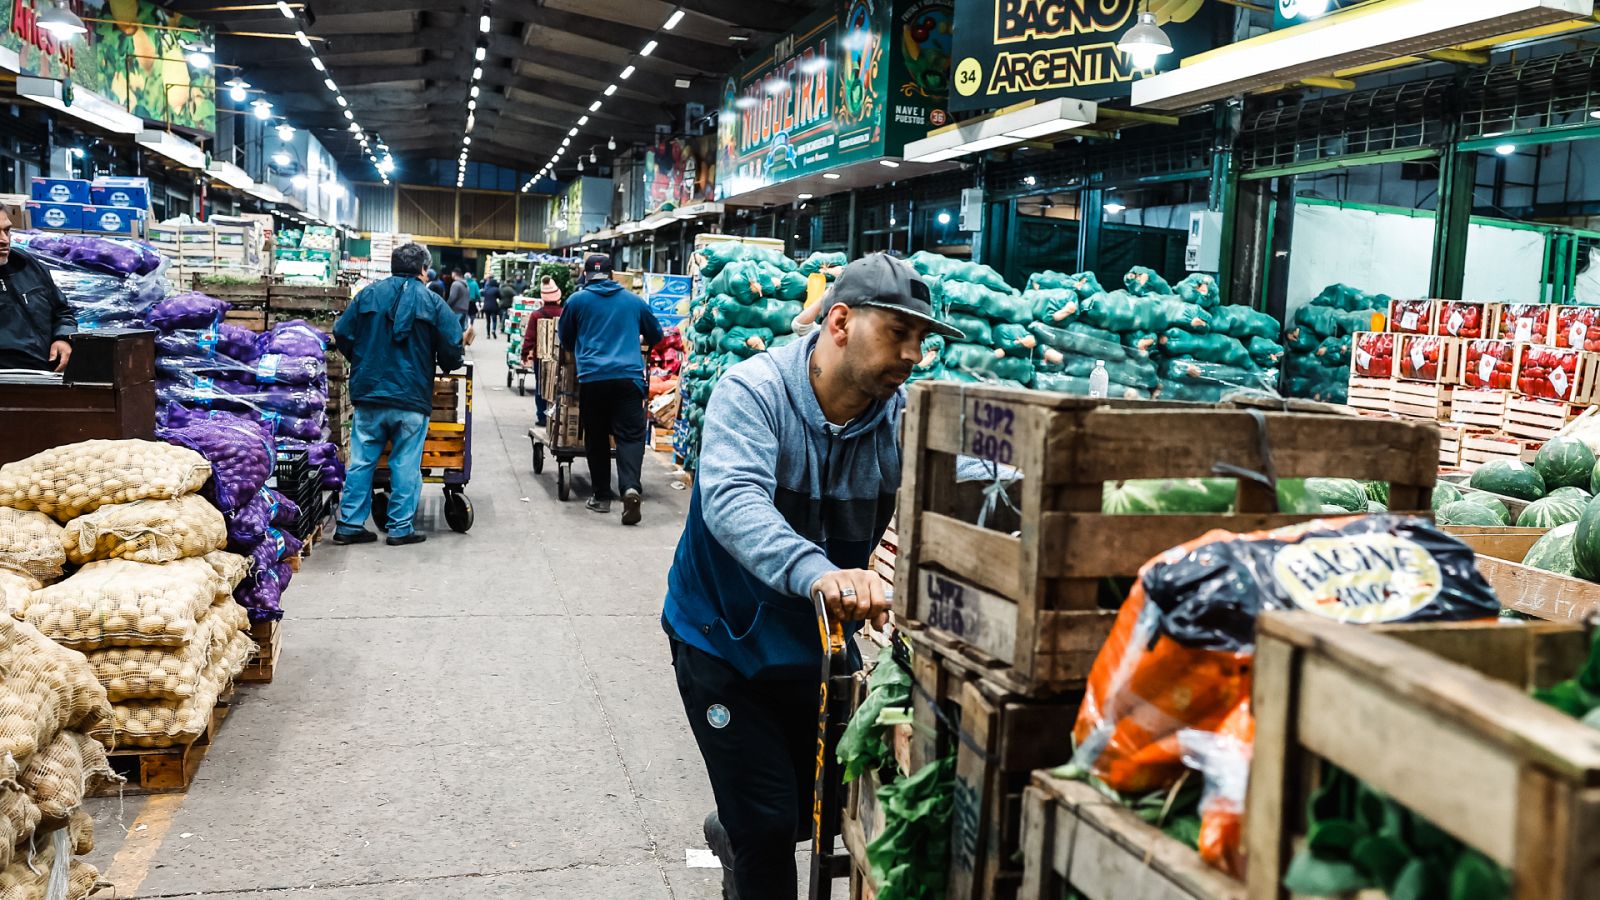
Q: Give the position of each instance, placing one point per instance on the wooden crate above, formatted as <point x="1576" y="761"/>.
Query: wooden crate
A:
<point x="1483" y="409"/>
<point x="1372" y="355"/>
<point x="445" y="447"/>
<point x="545" y="343"/>
<point x="1541" y="594"/>
<point x="1508" y="542"/>
<point x="253" y="319"/>
<point x="1371" y="394"/>
<point x="1526" y="322"/>
<point x="1075" y="837"/>
<point x="1414" y="316"/>
<point x="166" y="770"/>
<point x="238" y="295"/>
<point x="1537" y="420"/>
<point x="1572" y="324"/>
<point x="1411" y="358"/>
<point x="1027" y="605"/>
<point x="304" y="298"/>
<point x="1455" y="318"/>
<point x="998" y="737"/>
<point x="1420" y="400"/>
<point x="1450" y="445"/>
<point x="1478" y="447"/>
<point x="1582" y="388"/>
<point x="269" y="648"/>
<point x="1437" y="717"/>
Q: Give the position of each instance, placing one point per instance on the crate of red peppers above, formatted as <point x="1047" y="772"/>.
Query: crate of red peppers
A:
<point x="1578" y="327"/>
<point x="1489" y="365"/>
<point x="1414" y="316"/>
<point x="1525" y="323"/>
<point x="1468" y="318"/>
<point x="1372" y="354"/>
<point x="1556" y="373"/>
<point x="1428" y="357"/>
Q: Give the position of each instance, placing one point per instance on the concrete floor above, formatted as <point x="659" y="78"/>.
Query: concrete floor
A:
<point x="482" y="716"/>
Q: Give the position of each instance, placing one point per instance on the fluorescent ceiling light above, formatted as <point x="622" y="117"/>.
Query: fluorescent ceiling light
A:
<point x="467" y="139"/>
<point x="263" y="109"/>
<point x="285" y="131"/>
<point x="831" y="176"/>
<point x="626" y="73"/>
<point x="595" y="106"/>
<point x="301" y="37"/>
<point x="472" y="105"/>
<point x="889" y="163"/>
<point x="1367" y="34"/>
<point x="803" y="196"/>
<point x="1506" y="149"/>
<point x="284" y="8"/>
<point x="572" y="132"/>
<point x="172" y="147"/>
<point x="649" y="48"/>
<point x="341" y="100"/>
<point x="483" y="23"/>
<point x="978" y="135"/>
<point x="1115" y="208"/>
<point x="680" y="82"/>
<point x="610" y="89"/>
<point x="316" y="63"/>
<point x="328" y="83"/>
<point x="474" y="92"/>
<point x="199" y="59"/>
<point x="477" y="72"/>
<point x="582" y="121"/>
<point x="673" y="20"/>
<point x="480" y="54"/>
<point x="349" y="115"/>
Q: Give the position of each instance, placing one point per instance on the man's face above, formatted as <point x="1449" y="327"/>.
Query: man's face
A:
<point x="881" y="349"/>
<point x="5" y="237"/>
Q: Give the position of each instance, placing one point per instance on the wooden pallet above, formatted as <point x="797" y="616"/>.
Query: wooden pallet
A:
<point x="166" y="770"/>
<point x="1421" y="400"/>
<point x="1537" y="420"/>
<point x="269" y="648"/>
<point x="1450" y="445"/>
<point x="1482" y="409"/>
<point x="1437" y="717"/>
<point x="1075" y="837"/>
<point x="1021" y="594"/>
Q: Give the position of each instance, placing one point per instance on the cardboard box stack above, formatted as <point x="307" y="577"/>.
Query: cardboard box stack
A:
<point x="107" y="205"/>
<point x="223" y="246"/>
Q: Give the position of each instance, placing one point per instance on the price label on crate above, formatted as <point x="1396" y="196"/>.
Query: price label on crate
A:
<point x="1456" y="321"/>
<point x="1485" y="368"/>
<point x="1577" y="335"/>
<point x="1418" y="357"/>
<point x="1409" y="320"/>
<point x="1363" y="360"/>
<point x="990" y="430"/>
<point x="1558" y="380"/>
<point x="1524" y="330"/>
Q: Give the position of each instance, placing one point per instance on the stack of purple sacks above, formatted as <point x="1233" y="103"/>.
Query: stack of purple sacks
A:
<point x="108" y="282"/>
<point x="242" y="458"/>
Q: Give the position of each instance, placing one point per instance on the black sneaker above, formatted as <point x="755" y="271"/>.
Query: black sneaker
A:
<point x="595" y="504"/>
<point x="717" y="840"/>
<point x="415" y="537"/>
<point x="630" y="506"/>
<point x="360" y="537"/>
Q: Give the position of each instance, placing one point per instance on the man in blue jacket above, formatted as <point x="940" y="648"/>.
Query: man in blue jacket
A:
<point x="799" y="465"/>
<point x="394" y="334"/>
<point x="602" y="327"/>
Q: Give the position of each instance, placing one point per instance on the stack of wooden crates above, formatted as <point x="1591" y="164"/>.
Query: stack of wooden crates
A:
<point x="558" y="384"/>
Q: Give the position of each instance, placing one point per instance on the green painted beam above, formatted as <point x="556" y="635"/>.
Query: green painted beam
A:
<point x="1533" y="137"/>
<point x="1457" y="173"/>
<point x="1332" y="164"/>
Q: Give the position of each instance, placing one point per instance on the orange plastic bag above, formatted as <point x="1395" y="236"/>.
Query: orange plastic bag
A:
<point x="1224" y="758"/>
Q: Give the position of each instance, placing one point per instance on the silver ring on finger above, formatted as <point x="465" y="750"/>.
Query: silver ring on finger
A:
<point x="848" y="592"/>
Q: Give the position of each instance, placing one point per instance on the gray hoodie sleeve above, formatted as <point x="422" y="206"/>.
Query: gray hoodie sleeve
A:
<point x="737" y="483"/>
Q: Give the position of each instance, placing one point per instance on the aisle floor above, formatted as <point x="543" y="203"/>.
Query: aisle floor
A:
<point x="481" y="716"/>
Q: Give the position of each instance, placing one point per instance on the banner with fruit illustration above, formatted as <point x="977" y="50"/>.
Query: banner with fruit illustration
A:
<point x="136" y="56"/>
<point x="1009" y="51"/>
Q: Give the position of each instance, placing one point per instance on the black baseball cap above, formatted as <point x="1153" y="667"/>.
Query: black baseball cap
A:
<point x="883" y="282"/>
<point x="596" y="265"/>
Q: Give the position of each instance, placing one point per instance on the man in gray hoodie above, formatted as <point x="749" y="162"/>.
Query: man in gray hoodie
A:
<point x="460" y="298"/>
<point x="799" y="465"/>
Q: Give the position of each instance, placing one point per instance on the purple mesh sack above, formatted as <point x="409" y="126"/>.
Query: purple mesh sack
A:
<point x="296" y="337"/>
<point x="325" y="456"/>
<point x="189" y="369"/>
<point x="286" y="400"/>
<point x="275" y="368"/>
<point x="189" y="310"/>
<point x="49" y="247"/>
<point x="283" y="511"/>
<point x="301" y="429"/>
<point x="240" y="453"/>
<point x="101" y="255"/>
<point x="262" y="592"/>
<point x="247" y="526"/>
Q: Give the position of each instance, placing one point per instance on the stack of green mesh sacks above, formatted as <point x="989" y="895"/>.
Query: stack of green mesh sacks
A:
<point x="1317" y="365"/>
<point x="994" y="317"/>
<point x="751" y="297"/>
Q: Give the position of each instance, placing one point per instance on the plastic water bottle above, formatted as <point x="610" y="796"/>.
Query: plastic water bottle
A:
<point x="1099" y="380"/>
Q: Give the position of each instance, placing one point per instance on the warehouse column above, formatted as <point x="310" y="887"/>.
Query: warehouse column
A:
<point x="1457" y="176"/>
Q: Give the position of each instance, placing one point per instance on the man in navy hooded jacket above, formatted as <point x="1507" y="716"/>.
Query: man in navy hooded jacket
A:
<point x="394" y="333"/>
<point x="799" y="465"/>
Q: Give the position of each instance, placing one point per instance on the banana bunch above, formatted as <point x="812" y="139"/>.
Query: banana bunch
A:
<point x="1175" y="10"/>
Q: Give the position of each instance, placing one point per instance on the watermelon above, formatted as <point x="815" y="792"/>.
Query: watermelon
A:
<point x="1377" y="491"/>
<point x="1577" y="493"/>
<point x="1346" y="493"/>
<point x="1293" y="497"/>
<point x="1465" y="512"/>
<point x="1374" y="506"/>
<point x="1492" y="503"/>
<point x="1170" y="496"/>
<point x="1550" y="512"/>
<point x="1554" y="551"/>
<point x="1586" y="542"/>
<point x="1565" y="462"/>
<point x="1509" y="478"/>
<point x="1444" y="492"/>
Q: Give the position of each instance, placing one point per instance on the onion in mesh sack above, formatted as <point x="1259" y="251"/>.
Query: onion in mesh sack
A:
<point x="240" y="453"/>
<point x="294" y="338"/>
<point x="283" y="511"/>
<point x="235" y="343"/>
<point x="276" y="368"/>
<point x="247" y="526"/>
<point x="261" y="594"/>
<point x="190" y="310"/>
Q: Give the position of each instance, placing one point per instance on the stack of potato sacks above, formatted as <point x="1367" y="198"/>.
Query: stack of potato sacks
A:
<point x="993" y="317"/>
<point x="49" y="703"/>
<point x="149" y="597"/>
<point x="751" y="297"/>
<point x="1317" y="365"/>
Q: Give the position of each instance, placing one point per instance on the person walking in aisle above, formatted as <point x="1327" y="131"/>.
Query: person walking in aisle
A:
<point x="394" y="333"/>
<point x="491" y="305"/>
<point x="548" y="307"/>
<point x="602" y="326"/>
<point x="437" y="284"/>
<point x="799" y="465"/>
<point x="460" y="298"/>
<point x="475" y="293"/>
<point x="35" y="320"/>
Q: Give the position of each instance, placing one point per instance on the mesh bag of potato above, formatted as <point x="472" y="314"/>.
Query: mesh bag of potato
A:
<point x="163" y="673"/>
<point x="121" y="602"/>
<point x="29" y="875"/>
<point x="164" y="723"/>
<point x="58" y="777"/>
<point x="46" y="688"/>
<point x="80" y="830"/>
<point x="147" y="531"/>
<point x="30" y="544"/>
<point x="19" y="817"/>
<point x="15" y="592"/>
<point x="69" y="481"/>
<point x="230" y="567"/>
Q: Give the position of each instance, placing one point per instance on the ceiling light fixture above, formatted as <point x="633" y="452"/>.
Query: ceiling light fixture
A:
<point x="236" y="89"/>
<point x="483" y="23"/>
<point x="582" y="121"/>
<point x="284" y="8"/>
<point x="198" y="58"/>
<point x="610" y="89"/>
<point x="1114" y="207"/>
<point x="281" y="159"/>
<point x="339" y="98"/>
<point x="680" y="82"/>
<point x="477" y="72"/>
<point x="831" y="176"/>
<point x="889" y="163"/>
<point x="353" y="126"/>
<point x="328" y="83"/>
<point x="802" y="196"/>
<point x="474" y="92"/>
<point x="263" y="109"/>
<point x="673" y="20"/>
<point x="649" y="48"/>
<point x="626" y="73"/>
<point x="61" y="22"/>
<point x="611" y="143"/>
<point x="580" y="164"/>
<point x="285" y="132"/>
<point x="572" y="132"/>
<point x="349" y="115"/>
<point x="301" y="37"/>
<point x="595" y="106"/>
<point x="472" y="105"/>
<point x="1506" y="149"/>
<point x="593" y="157"/>
<point x="316" y="63"/>
<point x="299" y="182"/>
<point x="1145" y="43"/>
<point x="482" y="52"/>
<point x="737" y="37"/>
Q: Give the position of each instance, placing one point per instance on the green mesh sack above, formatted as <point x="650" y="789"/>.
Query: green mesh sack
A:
<point x="773" y="314"/>
<point x="1053" y="305"/>
<point x="978" y="300"/>
<point x="976" y="273"/>
<point x="1079" y="386"/>
<point x="929" y="263"/>
<point x="1264" y="352"/>
<point x="746" y="342"/>
<point x="976" y="328"/>
<point x="1243" y="322"/>
<point x="1048" y="280"/>
<point x="717" y="256"/>
<point x="746" y="281"/>
<point x="818" y="262"/>
<point x="1216" y="348"/>
<point x="981" y="361"/>
<point x="1145" y="342"/>
<point x="792" y="287"/>
<point x="1196" y="372"/>
<point x="1087" y="342"/>
<point x="1121" y="311"/>
<point x="1014" y="340"/>
<point x="1129" y="373"/>
<point x="1200" y="289"/>
<point x="1143" y="282"/>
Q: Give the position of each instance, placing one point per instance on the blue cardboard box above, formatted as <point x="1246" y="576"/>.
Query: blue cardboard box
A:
<point x="114" y="190"/>
<point x="57" y="216"/>
<point x="111" y="219"/>
<point x="60" y="190"/>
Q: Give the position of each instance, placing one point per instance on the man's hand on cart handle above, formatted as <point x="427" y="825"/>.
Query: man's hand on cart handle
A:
<point x="853" y="595"/>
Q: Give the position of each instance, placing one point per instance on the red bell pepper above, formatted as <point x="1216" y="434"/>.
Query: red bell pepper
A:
<point x="1373" y="355"/>
<point x="1411" y="316"/>
<point x="1578" y="327"/>
<point x="1461" y="318"/>
<point x="1489" y="365"/>
<point x="1525" y="322"/>
<point x="1419" y="357"/>
<point x="1548" y="372"/>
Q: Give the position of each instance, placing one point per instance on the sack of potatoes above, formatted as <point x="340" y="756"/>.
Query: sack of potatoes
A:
<point x="117" y="602"/>
<point x="147" y="531"/>
<point x="30" y="544"/>
<point x="66" y="482"/>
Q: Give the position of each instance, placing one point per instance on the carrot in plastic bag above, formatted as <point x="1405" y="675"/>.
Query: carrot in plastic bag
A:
<point x="1223" y="756"/>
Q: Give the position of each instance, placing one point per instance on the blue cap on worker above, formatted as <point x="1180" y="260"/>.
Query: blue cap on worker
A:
<point x="596" y="267"/>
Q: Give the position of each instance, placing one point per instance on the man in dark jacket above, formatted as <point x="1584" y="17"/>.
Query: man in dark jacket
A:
<point x="460" y="298"/>
<point x="602" y="326"/>
<point x="35" y="319"/>
<point x="394" y="333"/>
<point x="491" y="305"/>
